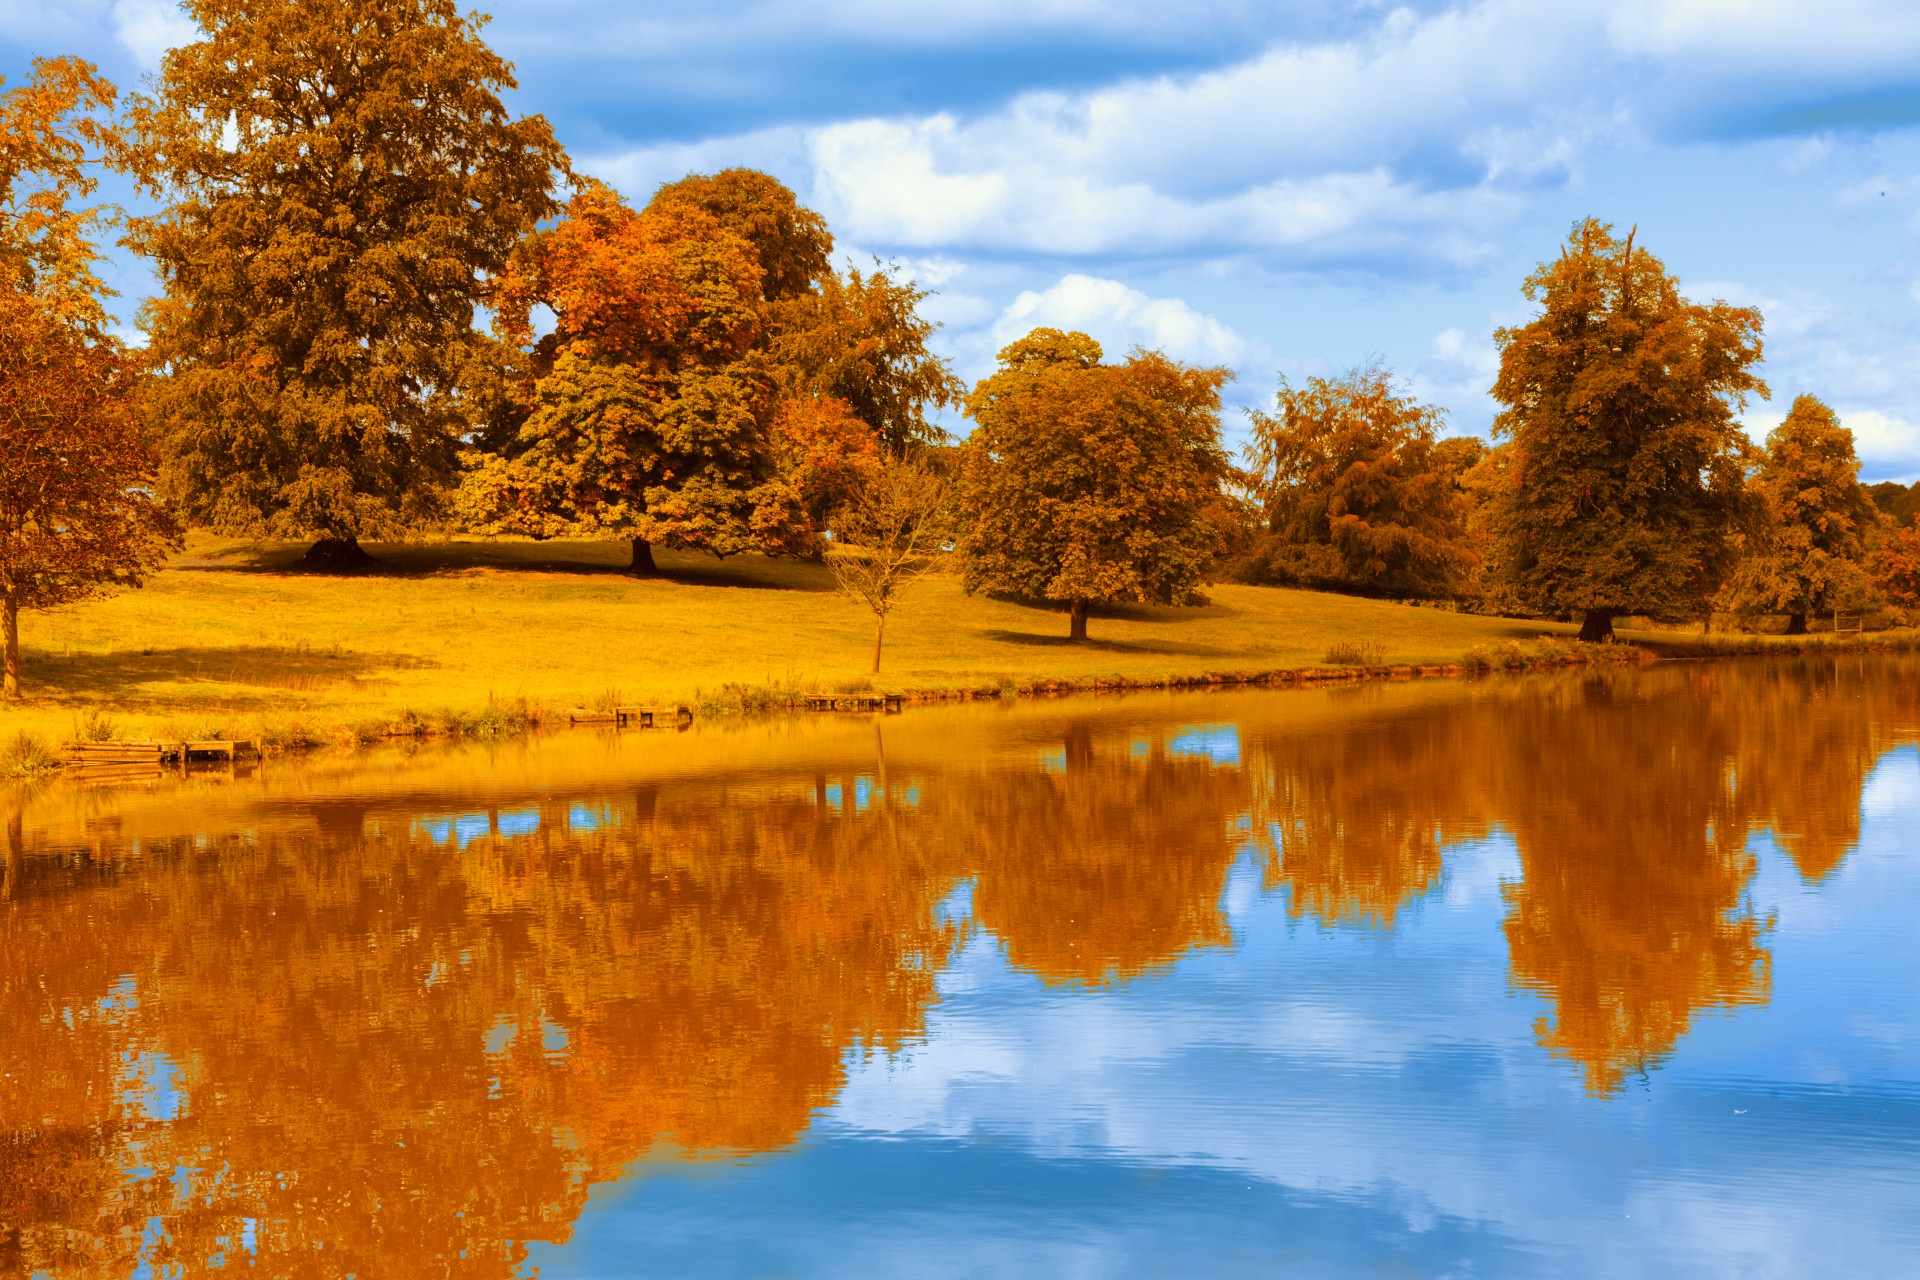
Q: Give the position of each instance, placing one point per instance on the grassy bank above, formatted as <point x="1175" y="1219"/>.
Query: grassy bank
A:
<point x="485" y="637"/>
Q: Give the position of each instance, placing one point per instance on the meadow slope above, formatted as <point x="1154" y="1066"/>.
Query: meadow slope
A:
<point x="231" y="640"/>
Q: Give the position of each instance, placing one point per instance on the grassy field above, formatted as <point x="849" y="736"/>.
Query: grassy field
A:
<point x="230" y="641"/>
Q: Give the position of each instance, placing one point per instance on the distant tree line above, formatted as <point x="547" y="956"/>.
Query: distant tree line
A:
<point x="342" y="195"/>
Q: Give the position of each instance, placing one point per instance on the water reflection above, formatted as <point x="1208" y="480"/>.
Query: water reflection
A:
<point x="402" y="1020"/>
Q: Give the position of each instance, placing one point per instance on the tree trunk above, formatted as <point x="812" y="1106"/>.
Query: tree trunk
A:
<point x="879" y="631"/>
<point x="643" y="565"/>
<point x="1077" y="620"/>
<point x="1796" y="624"/>
<point x="9" y="647"/>
<point x="1597" y="627"/>
<point x="337" y="555"/>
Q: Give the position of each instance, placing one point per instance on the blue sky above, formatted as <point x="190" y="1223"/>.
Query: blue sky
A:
<point x="1276" y="187"/>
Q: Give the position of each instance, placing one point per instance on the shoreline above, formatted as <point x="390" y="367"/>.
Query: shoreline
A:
<point x="21" y="760"/>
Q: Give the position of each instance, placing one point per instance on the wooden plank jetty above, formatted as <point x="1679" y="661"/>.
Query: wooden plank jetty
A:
<point x="854" y="702"/>
<point x="666" y="717"/>
<point x="154" y="751"/>
<point x="652" y="717"/>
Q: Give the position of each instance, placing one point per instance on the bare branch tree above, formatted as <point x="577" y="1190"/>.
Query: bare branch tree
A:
<point x="894" y="534"/>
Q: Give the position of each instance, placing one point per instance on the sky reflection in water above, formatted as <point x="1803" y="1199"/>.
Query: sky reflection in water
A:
<point x="1609" y="974"/>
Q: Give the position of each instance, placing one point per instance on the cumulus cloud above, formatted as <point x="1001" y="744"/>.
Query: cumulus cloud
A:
<point x="1120" y="317"/>
<point x="148" y="28"/>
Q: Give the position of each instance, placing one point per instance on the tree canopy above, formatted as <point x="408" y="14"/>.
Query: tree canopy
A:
<point x="1356" y="492"/>
<point x="344" y="182"/>
<point x="1085" y="482"/>
<point x="77" y="511"/>
<point x="709" y="382"/>
<point x="652" y="399"/>
<point x="1808" y="552"/>
<point x="1624" y="467"/>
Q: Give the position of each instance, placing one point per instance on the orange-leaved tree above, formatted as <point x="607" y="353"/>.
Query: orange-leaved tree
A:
<point x="344" y="183"/>
<point x="1357" y="491"/>
<point x="1086" y="482"/>
<point x="1624" y="468"/>
<point x="1807" y="554"/>
<point x="1896" y="566"/>
<point x="651" y="401"/>
<point x="77" y="512"/>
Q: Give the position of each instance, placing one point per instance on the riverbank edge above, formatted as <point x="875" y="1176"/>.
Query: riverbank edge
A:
<point x="28" y="754"/>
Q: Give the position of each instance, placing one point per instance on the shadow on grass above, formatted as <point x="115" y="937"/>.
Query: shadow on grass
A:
<point x="608" y="559"/>
<point x="1167" y="648"/>
<point x="261" y="672"/>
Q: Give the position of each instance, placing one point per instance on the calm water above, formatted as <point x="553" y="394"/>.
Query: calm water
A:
<point x="1609" y="974"/>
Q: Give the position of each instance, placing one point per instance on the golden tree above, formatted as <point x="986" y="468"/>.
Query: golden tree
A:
<point x="889" y="537"/>
<point x="77" y="512"/>
<point x="1809" y="552"/>
<point x="1085" y="482"/>
<point x="1624" y="466"/>
<point x="345" y="181"/>
<point x="1357" y="492"/>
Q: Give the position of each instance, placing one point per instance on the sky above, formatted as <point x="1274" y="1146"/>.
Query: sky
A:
<point x="1281" y="188"/>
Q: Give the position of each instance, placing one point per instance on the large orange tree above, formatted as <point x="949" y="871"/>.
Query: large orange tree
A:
<point x="344" y="182"/>
<point x="1086" y="482"/>
<point x="77" y="510"/>
<point x="1624" y="467"/>
<point x="710" y="382"/>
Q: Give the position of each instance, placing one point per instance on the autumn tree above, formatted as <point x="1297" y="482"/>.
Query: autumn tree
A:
<point x="860" y="339"/>
<point x="1086" y="482"/>
<point x="345" y="182"/>
<point x="1896" y="566"/>
<point x="889" y="537"/>
<point x="1898" y="502"/>
<point x="1624" y="465"/>
<point x="1807" y="554"/>
<point x="710" y="383"/>
<point x="652" y="400"/>
<point x="77" y="513"/>
<point x="1356" y="491"/>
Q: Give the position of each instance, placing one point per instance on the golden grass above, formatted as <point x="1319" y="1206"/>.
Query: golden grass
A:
<point x="230" y="641"/>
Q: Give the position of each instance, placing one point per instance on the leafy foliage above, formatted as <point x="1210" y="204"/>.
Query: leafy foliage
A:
<point x="345" y="180"/>
<point x="860" y="339"/>
<point x="51" y="137"/>
<point x="1896" y="566"/>
<point x="652" y="403"/>
<point x="1087" y="482"/>
<point x="1624" y="467"/>
<point x="77" y="512"/>
<point x="1807" y="554"/>
<point x="1357" y="493"/>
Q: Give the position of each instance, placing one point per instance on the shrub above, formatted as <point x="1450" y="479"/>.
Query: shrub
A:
<point x="26" y="754"/>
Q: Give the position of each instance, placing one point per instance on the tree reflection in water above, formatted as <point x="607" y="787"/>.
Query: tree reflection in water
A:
<point x="416" y="1038"/>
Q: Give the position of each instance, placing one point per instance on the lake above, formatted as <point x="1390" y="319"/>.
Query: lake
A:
<point x="1610" y="973"/>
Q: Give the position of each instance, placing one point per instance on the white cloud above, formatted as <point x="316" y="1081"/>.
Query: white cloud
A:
<point x="1120" y="317"/>
<point x="148" y="28"/>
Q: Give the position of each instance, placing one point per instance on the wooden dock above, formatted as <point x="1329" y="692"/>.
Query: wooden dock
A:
<point x="150" y="751"/>
<point x="855" y="702"/>
<point x="668" y="717"/>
